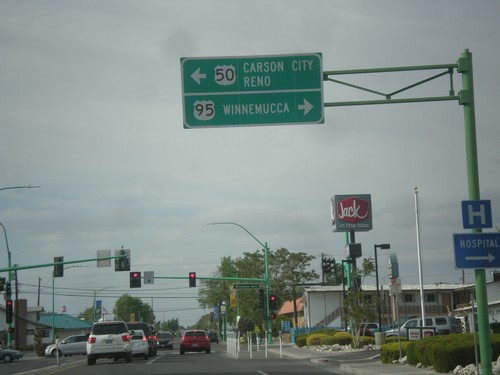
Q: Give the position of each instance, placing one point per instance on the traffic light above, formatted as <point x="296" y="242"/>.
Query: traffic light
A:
<point x="2" y="284"/>
<point x="8" y="291"/>
<point x="122" y="264"/>
<point x="135" y="279"/>
<point x="262" y="299"/>
<point x="273" y="302"/>
<point x="192" y="279"/>
<point x="58" y="268"/>
<point x="327" y="265"/>
<point x="9" y="312"/>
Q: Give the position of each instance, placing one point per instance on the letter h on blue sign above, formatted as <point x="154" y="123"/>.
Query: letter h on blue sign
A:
<point x="477" y="214"/>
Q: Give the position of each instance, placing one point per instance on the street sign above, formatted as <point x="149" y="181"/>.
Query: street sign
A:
<point x="252" y="90"/>
<point x="476" y="214"/>
<point x="477" y="250"/>
<point x="149" y="277"/>
<point x="246" y="286"/>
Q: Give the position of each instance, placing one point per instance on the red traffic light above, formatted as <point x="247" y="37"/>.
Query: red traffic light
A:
<point x="192" y="279"/>
<point x="135" y="279"/>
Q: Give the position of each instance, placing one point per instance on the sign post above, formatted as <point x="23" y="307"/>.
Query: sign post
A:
<point x="252" y="90"/>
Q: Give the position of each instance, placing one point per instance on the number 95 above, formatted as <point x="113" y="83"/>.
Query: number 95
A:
<point x="204" y="110"/>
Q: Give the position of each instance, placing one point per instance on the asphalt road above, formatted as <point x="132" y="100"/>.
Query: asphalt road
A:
<point x="171" y="362"/>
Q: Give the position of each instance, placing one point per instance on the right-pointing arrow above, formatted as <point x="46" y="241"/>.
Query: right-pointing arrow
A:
<point x="306" y="107"/>
<point x="488" y="257"/>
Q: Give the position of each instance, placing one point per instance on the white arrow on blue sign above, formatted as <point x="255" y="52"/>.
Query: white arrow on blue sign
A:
<point x="477" y="250"/>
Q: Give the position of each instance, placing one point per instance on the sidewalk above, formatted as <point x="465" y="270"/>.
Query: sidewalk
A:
<point x="373" y="367"/>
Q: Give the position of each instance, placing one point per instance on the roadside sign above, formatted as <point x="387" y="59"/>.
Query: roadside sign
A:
<point x="252" y="90"/>
<point x="476" y="214"/>
<point x="149" y="277"/>
<point x="477" y="250"/>
<point x="246" y="286"/>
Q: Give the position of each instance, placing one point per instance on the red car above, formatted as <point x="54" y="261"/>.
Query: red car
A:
<point x="195" y="341"/>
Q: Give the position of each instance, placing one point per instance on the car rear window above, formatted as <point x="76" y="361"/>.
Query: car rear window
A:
<point x="195" y="333"/>
<point x="163" y="335"/>
<point x="103" y="329"/>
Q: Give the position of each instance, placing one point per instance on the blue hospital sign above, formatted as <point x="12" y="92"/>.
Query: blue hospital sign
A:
<point x="476" y="214"/>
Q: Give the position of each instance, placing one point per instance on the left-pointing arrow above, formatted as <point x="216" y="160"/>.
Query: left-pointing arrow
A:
<point x="488" y="257"/>
<point x="197" y="76"/>
<point x="306" y="107"/>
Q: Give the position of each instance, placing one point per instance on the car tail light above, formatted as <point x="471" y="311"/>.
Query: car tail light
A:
<point x="143" y="338"/>
<point x="126" y="337"/>
<point x="91" y="340"/>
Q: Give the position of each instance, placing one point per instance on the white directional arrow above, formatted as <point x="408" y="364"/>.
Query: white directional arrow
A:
<point x="488" y="257"/>
<point x="306" y="107"/>
<point x="197" y="76"/>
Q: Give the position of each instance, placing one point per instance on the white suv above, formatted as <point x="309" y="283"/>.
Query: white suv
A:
<point x="109" y="340"/>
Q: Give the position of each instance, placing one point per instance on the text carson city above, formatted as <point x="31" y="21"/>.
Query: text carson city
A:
<point x="271" y="67"/>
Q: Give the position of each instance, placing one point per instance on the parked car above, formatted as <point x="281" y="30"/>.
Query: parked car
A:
<point x="195" y="341"/>
<point x="140" y="345"/>
<point x="213" y="337"/>
<point x="367" y="329"/>
<point x="442" y="324"/>
<point x="109" y="340"/>
<point x="8" y="355"/>
<point x="150" y="334"/>
<point x="76" y="344"/>
<point x="165" y="340"/>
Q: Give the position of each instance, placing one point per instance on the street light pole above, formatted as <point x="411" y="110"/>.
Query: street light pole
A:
<point x="384" y="246"/>
<point x="9" y="280"/>
<point x="266" y="266"/>
<point x="9" y="258"/>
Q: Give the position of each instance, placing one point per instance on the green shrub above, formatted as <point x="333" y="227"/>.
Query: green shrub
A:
<point x="390" y="352"/>
<point x="315" y="339"/>
<point x="301" y="340"/>
<point x="367" y="340"/>
<point x="445" y="352"/>
<point x="343" y="338"/>
<point x="495" y="327"/>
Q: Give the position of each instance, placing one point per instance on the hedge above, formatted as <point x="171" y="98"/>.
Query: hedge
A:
<point x="445" y="352"/>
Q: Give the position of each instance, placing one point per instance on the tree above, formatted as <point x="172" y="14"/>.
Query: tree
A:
<point x="286" y="270"/>
<point x="87" y="314"/>
<point x="360" y="309"/>
<point x="171" y="325"/>
<point x="130" y="308"/>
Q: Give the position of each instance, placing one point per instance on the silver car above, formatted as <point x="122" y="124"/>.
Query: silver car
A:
<point x="76" y="344"/>
<point x="140" y="345"/>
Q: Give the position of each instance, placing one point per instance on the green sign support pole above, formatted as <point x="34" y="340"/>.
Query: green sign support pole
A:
<point x="467" y="100"/>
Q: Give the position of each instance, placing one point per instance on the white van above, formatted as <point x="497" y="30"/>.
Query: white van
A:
<point x="442" y="324"/>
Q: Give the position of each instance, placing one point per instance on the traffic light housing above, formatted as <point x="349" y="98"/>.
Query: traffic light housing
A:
<point x="2" y="284"/>
<point x="123" y="263"/>
<point x="58" y="268"/>
<point x="273" y="302"/>
<point x="192" y="279"/>
<point x="262" y="299"/>
<point x="8" y="291"/>
<point x="135" y="279"/>
<point x="9" y="311"/>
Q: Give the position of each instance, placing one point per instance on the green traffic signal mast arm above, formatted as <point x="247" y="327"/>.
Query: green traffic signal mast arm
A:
<point x="16" y="268"/>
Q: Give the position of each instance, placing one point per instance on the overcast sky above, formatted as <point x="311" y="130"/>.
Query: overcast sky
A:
<point x="91" y="110"/>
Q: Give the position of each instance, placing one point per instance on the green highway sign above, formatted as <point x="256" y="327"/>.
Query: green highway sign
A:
<point x="246" y="286"/>
<point x="252" y="90"/>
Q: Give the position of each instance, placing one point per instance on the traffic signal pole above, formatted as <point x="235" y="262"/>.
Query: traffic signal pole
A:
<point x="466" y="99"/>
